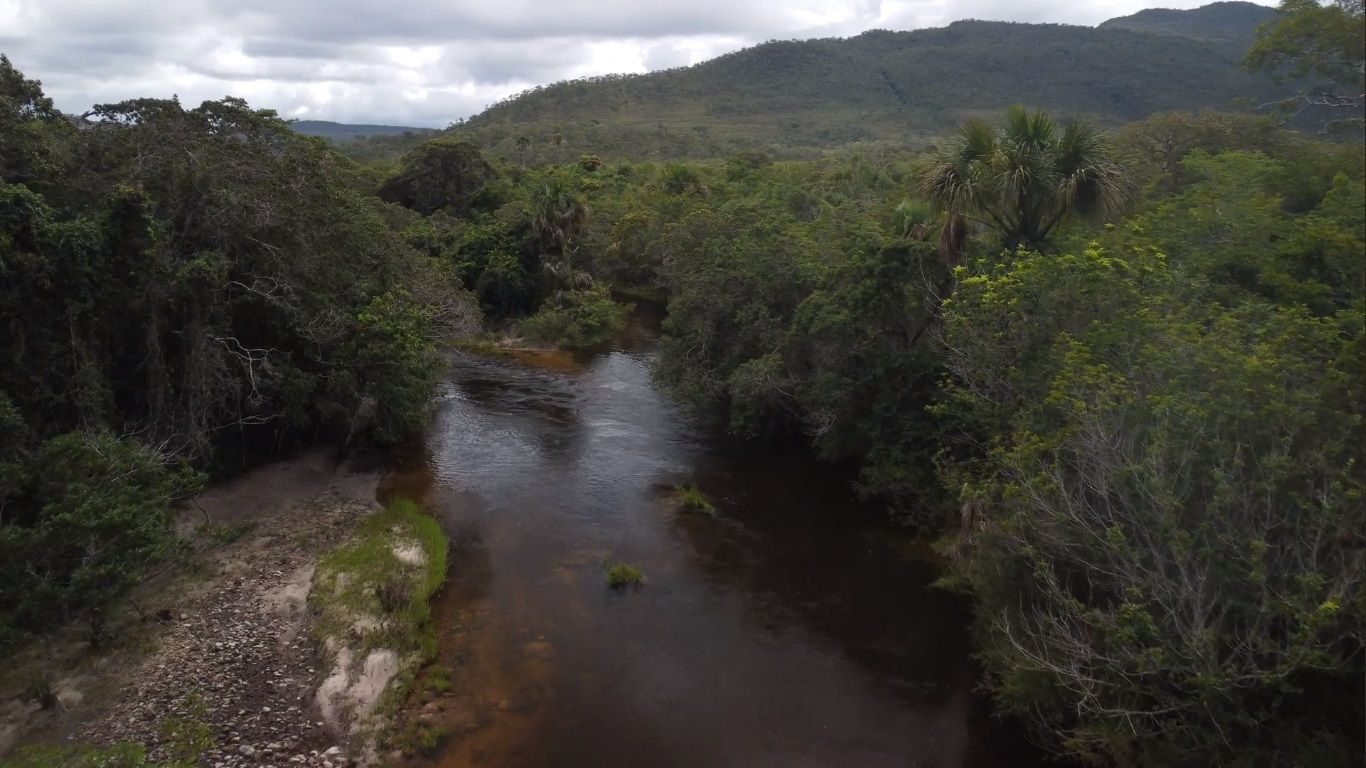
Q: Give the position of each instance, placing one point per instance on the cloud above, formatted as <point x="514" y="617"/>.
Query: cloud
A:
<point x="425" y="62"/>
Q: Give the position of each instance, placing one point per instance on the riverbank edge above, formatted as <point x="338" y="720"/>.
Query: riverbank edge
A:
<point x="371" y="602"/>
<point x="258" y="540"/>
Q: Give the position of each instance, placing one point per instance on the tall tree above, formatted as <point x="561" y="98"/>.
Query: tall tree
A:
<point x="1023" y="177"/>
<point x="523" y="143"/>
<point x="1323" y="45"/>
<point x="25" y="115"/>
<point x="558" y="215"/>
<point x="558" y="140"/>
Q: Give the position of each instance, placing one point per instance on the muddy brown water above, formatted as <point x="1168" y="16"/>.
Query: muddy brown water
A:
<point x="794" y="628"/>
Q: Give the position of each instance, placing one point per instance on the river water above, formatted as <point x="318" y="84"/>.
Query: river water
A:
<point x="795" y="628"/>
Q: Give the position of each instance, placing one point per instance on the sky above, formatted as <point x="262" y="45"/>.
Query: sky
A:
<point x="429" y="62"/>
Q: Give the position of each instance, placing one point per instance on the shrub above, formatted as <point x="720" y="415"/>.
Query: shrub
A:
<point x="93" y="511"/>
<point x="395" y="360"/>
<point x="1166" y="549"/>
<point x="421" y="738"/>
<point x="436" y="679"/>
<point x="186" y="735"/>
<point x="583" y="319"/>
<point x="40" y="692"/>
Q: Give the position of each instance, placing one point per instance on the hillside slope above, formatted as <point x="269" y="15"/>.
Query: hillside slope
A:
<point x="800" y="96"/>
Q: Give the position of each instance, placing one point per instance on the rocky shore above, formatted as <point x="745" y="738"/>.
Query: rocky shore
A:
<point x="226" y="656"/>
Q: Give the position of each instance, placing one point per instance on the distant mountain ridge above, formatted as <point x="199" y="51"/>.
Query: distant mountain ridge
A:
<point x="804" y="96"/>
<point x="1229" y="21"/>
<point x="344" y="132"/>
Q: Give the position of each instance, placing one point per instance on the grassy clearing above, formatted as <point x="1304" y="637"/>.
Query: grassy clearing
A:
<point x="623" y="575"/>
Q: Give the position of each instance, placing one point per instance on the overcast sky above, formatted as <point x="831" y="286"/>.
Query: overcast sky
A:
<point x="428" y="62"/>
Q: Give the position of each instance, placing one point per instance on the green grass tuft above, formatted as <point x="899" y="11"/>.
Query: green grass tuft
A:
<point x="420" y="738"/>
<point x="622" y="575"/>
<point x="691" y="499"/>
<point x="123" y="754"/>
<point x="436" y="680"/>
<point x="221" y="535"/>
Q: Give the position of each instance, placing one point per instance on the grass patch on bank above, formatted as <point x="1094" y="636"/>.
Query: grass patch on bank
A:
<point x="383" y="580"/>
<point x="372" y="601"/>
<point x="481" y="347"/>
<point x="185" y="737"/>
<point x="124" y="754"/>
<point x="420" y="738"/>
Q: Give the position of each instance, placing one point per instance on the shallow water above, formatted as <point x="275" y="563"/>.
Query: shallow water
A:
<point x="795" y="628"/>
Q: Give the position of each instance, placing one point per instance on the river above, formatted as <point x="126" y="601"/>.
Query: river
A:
<point x="794" y="628"/>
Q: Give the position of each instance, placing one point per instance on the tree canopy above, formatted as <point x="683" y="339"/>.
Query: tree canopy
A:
<point x="1323" y="46"/>
<point x="1023" y="178"/>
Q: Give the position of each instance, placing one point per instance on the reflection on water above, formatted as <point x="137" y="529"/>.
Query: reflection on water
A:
<point x="792" y="629"/>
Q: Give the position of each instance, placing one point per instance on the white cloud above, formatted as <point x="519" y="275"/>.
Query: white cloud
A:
<point x="426" y="62"/>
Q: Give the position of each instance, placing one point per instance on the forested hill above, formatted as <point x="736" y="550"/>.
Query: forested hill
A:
<point x="1233" y="21"/>
<point x="882" y="85"/>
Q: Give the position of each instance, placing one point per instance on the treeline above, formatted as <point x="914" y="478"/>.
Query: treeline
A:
<point x="182" y="291"/>
<point x="1145" y="436"/>
<point x="1160" y="476"/>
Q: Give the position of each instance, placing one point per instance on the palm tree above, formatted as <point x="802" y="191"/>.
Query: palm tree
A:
<point x="558" y="140"/>
<point x="558" y="214"/>
<point x="523" y="143"/>
<point x="1023" y="177"/>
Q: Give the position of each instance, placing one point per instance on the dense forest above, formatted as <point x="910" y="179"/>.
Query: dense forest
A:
<point x="1114" y="369"/>
<point x="183" y="290"/>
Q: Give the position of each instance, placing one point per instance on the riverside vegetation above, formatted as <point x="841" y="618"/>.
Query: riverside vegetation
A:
<point x="1117" y="374"/>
